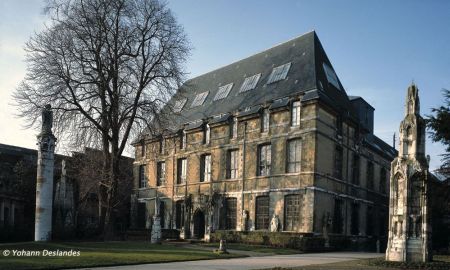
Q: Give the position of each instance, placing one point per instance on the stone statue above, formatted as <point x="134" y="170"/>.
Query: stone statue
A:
<point x="326" y="223"/>
<point x="245" y="220"/>
<point x="47" y="120"/>
<point x="274" y="224"/>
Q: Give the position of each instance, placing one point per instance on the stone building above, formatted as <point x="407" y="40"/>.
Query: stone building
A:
<point x="76" y="207"/>
<point x="269" y="143"/>
<point x="409" y="219"/>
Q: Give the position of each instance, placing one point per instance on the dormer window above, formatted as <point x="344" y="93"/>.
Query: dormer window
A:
<point x="250" y="83"/>
<point x="223" y="91"/>
<point x="331" y="76"/>
<point x="199" y="99"/>
<point x="279" y="73"/>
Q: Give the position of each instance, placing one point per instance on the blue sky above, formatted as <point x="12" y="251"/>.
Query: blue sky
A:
<point x="376" y="47"/>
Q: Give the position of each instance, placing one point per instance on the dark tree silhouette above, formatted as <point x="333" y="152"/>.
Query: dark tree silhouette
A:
<point x="107" y="68"/>
<point x="439" y="125"/>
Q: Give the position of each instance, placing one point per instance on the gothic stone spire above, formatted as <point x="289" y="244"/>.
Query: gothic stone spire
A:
<point x="412" y="128"/>
<point x="409" y="227"/>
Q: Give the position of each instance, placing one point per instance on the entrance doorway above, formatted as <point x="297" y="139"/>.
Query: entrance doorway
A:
<point x="199" y="224"/>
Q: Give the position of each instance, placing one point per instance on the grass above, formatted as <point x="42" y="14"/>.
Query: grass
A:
<point x="256" y="248"/>
<point x="99" y="254"/>
<point x="440" y="262"/>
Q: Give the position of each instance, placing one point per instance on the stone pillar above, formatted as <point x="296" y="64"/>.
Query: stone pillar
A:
<point x="44" y="182"/>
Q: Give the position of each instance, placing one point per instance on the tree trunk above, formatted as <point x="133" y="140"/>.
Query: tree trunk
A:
<point x="111" y="195"/>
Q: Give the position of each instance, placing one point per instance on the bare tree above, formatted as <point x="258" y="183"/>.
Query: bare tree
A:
<point x="107" y="68"/>
<point x="86" y="174"/>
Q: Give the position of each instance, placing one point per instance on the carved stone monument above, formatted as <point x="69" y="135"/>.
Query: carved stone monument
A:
<point x="44" y="181"/>
<point x="409" y="219"/>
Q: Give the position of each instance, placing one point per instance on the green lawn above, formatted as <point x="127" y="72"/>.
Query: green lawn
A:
<point x="256" y="248"/>
<point x="439" y="263"/>
<point x="99" y="254"/>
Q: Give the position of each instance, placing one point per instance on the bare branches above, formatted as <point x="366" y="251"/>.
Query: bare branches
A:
<point x="103" y="64"/>
<point x="107" y="68"/>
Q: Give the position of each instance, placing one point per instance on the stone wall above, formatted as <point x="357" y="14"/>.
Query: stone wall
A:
<point x="316" y="182"/>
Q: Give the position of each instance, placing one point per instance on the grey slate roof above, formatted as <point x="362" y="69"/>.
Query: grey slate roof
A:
<point x="306" y="76"/>
<point x="306" y="55"/>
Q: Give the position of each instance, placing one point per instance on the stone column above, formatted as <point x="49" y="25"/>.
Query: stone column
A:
<point x="44" y="182"/>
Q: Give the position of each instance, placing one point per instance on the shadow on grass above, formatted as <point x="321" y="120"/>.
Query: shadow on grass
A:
<point x="99" y="254"/>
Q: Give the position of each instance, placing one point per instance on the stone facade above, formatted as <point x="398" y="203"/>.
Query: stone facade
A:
<point x="409" y="219"/>
<point x="296" y="164"/>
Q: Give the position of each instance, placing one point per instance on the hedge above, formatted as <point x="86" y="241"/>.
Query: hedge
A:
<point x="304" y="242"/>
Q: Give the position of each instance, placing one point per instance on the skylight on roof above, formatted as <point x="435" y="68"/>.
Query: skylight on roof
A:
<point x="223" y="91"/>
<point x="279" y="73"/>
<point x="250" y="83"/>
<point x="179" y="104"/>
<point x="331" y="76"/>
<point x="199" y="99"/>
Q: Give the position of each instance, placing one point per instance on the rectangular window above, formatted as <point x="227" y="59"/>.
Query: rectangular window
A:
<point x="205" y="168"/>
<point x="231" y="213"/>
<point x="265" y="121"/>
<point x="370" y="176"/>
<point x="355" y="169"/>
<point x="292" y="206"/>
<point x="206" y="134"/>
<point x="181" y="170"/>
<point x="354" y="228"/>
<point x="264" y="159"/>
<point x="232" y="164"/>
<point x="337" y="216"/>
<point x="250" y="83"/>
<point x="160" y="173"/>
<point x="179" y="214"/>
<point x="295" y="114"/>
<point x="294" y="150"/>
<point x="223" y="91"/>
<point x="142" y="177"/>
<point x="199" y="99"/>
<point x="279" y="73"/>
<point x="338" y="157"/>
<point x="383" y="180"/>
<point x="262" y="213"/>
